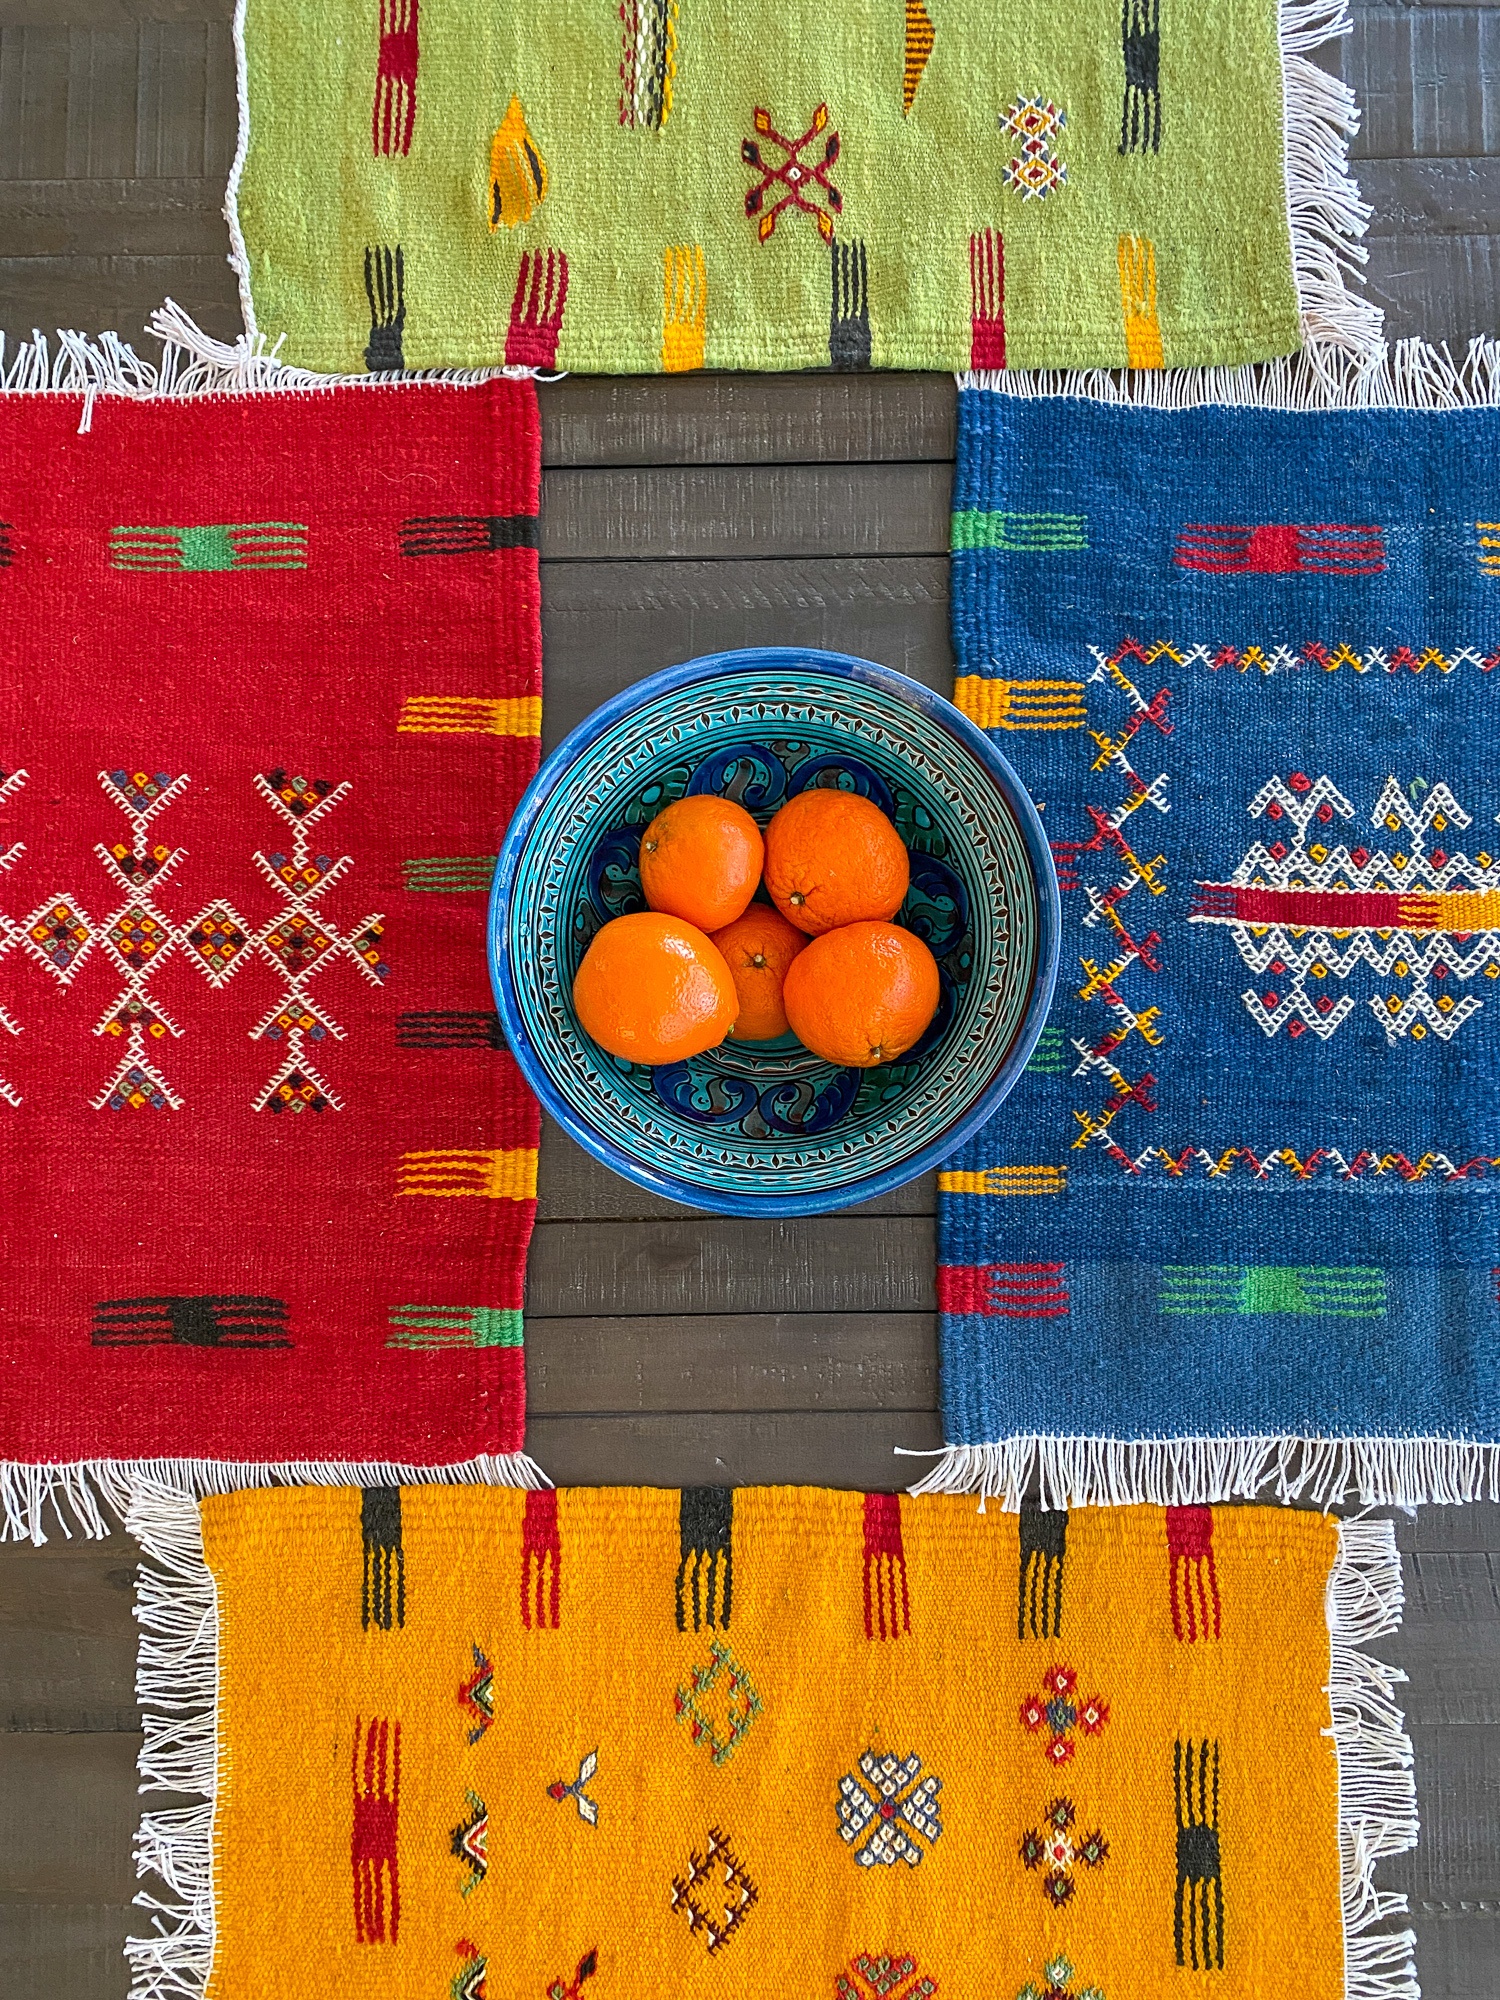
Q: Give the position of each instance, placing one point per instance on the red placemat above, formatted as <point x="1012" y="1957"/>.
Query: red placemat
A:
<point x="271" y="690"/>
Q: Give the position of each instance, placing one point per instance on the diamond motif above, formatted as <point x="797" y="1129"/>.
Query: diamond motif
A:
<point x="733" y="1892"/>
<point x="297" y="942"/>
<point x="60" y="933"/>
<point x="138" y="791"/>
<point x="299" y="796"/>
<point x="137" y="936"/>
<point x="722" y="1722"/>
<point x="217" y="939"/>
<point x="1035" y="170"/>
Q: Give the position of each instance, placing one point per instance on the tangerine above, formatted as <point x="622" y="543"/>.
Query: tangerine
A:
<point x="758" y="947"/>
<point x="834" y="858"/>
<point x="862" y="995"/>
<point x="700" y="860"/>
<point x="652" y="989"/>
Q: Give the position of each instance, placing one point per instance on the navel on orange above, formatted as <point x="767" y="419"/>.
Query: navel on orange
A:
<point x="700" y="860"/>
<point x="652" y="989"/>
<point x="758" y="947"/>
<point x="834" y="858"/>
<point x="862" y="995"/>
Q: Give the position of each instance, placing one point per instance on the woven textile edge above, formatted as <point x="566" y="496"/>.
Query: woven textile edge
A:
<point x="1377" y="1788"/>
<point x="177" y="1686"/>
<point x="1202" y="1471"/>
<point x="76" y="1493"/>
<point x="1407" y="375"/>
<point x="239" y="256"/>
<point x="1326" y="214"/>
<point x="191" y="364"/>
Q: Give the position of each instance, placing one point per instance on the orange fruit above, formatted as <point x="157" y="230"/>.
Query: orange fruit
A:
<point x="862" y="995"/>
<point x="758" y="947"/>
<point x="834" y="858"/>
<point x="652" y="989"/>
<point x="700" y="860"/>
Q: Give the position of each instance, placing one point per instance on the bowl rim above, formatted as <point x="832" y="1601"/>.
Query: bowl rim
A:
<point x="714" y="666"/>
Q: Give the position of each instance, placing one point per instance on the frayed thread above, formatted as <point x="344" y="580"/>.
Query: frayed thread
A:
<point x="1201" y="1471"/>
<point x="192" y="364"/>
<point x="1326" y="214"/>
<point x="1377" y="1787"/>
<point x="177" y="1685"/>
<point x="1409" y="375"/>
<point x="73" y="1498"/>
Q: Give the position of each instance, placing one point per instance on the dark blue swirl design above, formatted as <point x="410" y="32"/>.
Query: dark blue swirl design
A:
<point x="749" y="773"/>
<point x="841" y="773"/>
<point x="612" y="878"/>
<point x="936" y="908"/>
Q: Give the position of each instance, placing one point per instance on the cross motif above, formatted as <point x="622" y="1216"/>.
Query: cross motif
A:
<point x="803" y="185"/>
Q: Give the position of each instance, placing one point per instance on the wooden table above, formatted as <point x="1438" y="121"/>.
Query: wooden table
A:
<point x="679" y="517"/>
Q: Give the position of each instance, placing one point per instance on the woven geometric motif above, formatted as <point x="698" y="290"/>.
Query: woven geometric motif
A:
<point x="1315" y="908"/>
<point x="1035" y="170"/>
<point x="1264" y="1110"/>
<point x="892" y="1802"/>
<point x="821" y="1859"/>
<point x="222" y="746"/>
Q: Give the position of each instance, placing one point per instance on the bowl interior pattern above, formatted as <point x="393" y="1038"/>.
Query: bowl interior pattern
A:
<point x="745" y="1110"/>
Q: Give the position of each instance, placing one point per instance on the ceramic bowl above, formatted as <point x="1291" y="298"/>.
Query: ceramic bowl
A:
<point x="766" y="1128"/>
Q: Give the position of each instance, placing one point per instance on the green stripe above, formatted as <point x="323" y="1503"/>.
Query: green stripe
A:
<point x="1020" y="534"/>
<point x="214" y="545"/>
<point x="454" y="1326"/>
<point x="450" y="874"/>
<point x="1332" y="1292"/>
<point x="1048" y="1057"/>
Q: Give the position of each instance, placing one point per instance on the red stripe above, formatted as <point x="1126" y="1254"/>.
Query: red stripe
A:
<point x="1329" y="909"/>
<point x="1003" y="1291"/>
<point x="1280" y="548"/>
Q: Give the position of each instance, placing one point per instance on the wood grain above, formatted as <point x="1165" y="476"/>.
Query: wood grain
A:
<point x="682" y="517"/>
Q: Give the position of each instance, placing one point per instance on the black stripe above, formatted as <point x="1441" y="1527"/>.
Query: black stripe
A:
<point x="464" y="534"/>
<point x="449" y="1031"/>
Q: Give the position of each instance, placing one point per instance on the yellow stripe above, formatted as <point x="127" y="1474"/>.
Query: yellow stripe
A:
<point x="495" y="1176"/>
<point x="1460" y="910"/>
<point x="1489" y="538"/>
<point x="1006" y="1180"/>
<point x="1137" y="260"/>
<point x="684" y="324"/>
<point x="996" y="704"/>
<point x="470" y="715"/>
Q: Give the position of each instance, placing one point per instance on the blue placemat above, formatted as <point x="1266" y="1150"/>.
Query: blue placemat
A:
<point x="1238" y="1222"/>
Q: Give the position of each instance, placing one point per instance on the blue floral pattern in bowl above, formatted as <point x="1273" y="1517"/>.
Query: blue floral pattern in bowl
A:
<point x="766" y="1128"/>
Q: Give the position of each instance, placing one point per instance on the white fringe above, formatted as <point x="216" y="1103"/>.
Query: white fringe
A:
<point x="177" y="1685"/>
<point x="1325" y="211"/>
<point x="77" y="1494"/>
<point x="191" y="364"/>
<point x="1199" y="1471"/>
<point x="1409" y="375"/>
<point x="1377" y="1788"/>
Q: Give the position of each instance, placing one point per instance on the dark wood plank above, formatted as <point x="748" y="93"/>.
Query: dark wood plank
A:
<point x="67" y="1636"/>
<point x="1427" y="79"/>
<point x="730" y="1362"/>
<point x="71" y="1809"/>
<point x="747" y="419"/>
<point x="744" y="513"/>
<point x="777" y="1448"/>
<point x="839" y="1263"/>
<point x="605" y="625"/>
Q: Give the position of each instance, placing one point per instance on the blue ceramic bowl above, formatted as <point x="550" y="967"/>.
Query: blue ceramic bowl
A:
<point x="766" y="1128"/>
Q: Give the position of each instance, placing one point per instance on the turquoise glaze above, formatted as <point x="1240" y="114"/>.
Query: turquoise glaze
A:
<point x="767" y="1128"/>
